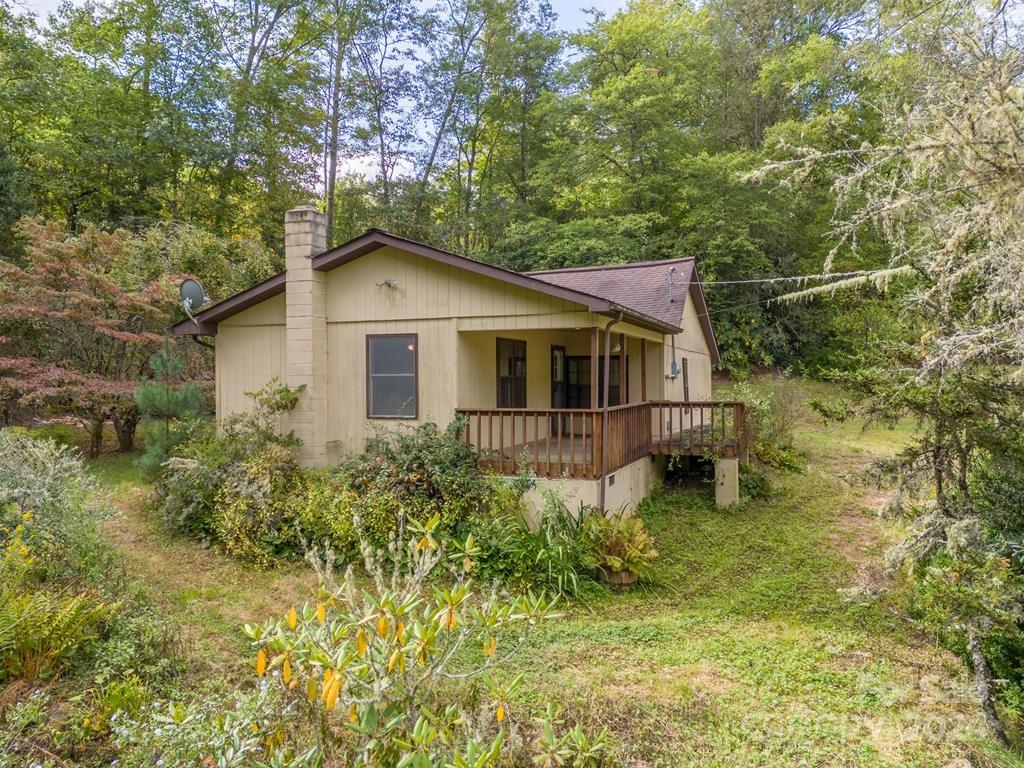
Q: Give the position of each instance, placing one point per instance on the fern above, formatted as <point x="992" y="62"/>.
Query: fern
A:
<point x="40" y="630"/>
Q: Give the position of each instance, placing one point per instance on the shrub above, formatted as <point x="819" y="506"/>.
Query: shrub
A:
<point x="424" y="471"/>
<point x="754" y="483"/>
<point x="186" y="493"/>
<point x="325" y="508"/>
<point x="254" y="511"/>
<point x="243" y="729"/>
<point x="49" y="510"/>
<point x="618" y="543"/>
<point x="376" y="660"/>
<point x="207" y="465"/>
<point x="770" y="421"/>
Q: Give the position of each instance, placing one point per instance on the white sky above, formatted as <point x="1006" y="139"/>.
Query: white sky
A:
<point x="571" y="13"/>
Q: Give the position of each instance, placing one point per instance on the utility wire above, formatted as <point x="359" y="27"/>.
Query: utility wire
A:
<point x="795" y="278"/>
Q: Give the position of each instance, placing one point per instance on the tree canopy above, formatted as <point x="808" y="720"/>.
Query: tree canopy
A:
<point x="475" y="125"/>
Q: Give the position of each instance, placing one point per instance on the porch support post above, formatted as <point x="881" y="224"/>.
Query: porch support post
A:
<point x="623" y="379"/>
<point x="593" y="367"/>
<point x="643" y="370"/>
<point x="727" y="481"/>
<point x="604" y="408"/>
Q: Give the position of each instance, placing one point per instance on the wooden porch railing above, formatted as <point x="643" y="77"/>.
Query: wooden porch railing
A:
<point x="699" y="428"/>
<point x="629" y="434"/>
<point x="560" y="442"/>
<point x="554" y="442"/>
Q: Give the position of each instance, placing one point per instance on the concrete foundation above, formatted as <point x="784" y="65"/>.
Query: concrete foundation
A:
<point x="727" y="482"/>
<point x="626" y="487"/>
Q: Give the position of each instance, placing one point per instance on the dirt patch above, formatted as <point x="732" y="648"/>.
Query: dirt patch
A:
<point x="705" y="678"/>
<point x="857" y="534"/>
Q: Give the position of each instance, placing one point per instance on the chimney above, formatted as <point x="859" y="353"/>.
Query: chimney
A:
<point x="305" y="236"/>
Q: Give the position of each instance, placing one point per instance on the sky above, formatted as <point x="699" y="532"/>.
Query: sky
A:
<point x="571" y="13"/>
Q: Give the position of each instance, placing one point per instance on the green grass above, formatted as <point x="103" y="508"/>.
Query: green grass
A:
<point x="746" y="654"/>
<point x="742" y="652"/>
<point x="208" y="594"/>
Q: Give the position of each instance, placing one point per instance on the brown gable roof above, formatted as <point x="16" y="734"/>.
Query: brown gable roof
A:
<point x="375" y="239"/>
<point x="643" y="286"/>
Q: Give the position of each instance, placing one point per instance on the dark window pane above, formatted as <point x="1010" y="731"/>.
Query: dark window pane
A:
<point x="392" y="379"/>
<point x="392" y="354"/>
<point x="393" y="396"/>
<point x="511" y="374"/>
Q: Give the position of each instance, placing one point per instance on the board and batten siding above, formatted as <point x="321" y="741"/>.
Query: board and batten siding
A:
<point x="250" y="351"/>
<point x="435" y="301"/>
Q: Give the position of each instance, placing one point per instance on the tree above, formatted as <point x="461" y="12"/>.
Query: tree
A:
<point x="940" y="184"/>
<point x="81" y="338"/>
<point x="164" y="401"/>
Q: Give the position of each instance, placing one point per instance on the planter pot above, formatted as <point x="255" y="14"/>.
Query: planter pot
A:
<point x="616" y="578"/>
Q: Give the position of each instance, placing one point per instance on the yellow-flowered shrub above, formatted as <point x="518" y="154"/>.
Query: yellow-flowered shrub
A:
<point x="375" y="664"/>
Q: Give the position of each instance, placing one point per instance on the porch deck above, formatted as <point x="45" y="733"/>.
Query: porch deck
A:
<point x="555" y="442"/>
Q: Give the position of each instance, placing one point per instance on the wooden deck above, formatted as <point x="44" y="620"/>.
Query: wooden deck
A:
<point x="568" y="443"/>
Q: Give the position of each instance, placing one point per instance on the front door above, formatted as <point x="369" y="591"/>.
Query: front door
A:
<point x="578" y="394"/>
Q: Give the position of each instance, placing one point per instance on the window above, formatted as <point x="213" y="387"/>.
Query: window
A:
<point x="391" y="365"/>
<point x="511" y="373"/>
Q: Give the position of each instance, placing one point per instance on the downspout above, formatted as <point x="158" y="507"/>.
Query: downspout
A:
<point x="674" y="370"/>
<point x="201" y="343"/>
<point x="604" y="407"/>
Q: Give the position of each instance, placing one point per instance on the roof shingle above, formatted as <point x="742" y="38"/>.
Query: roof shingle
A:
<point x="642" y="287"/>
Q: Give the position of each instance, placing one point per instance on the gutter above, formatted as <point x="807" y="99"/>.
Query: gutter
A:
<point x="604" y="406"/>
<point x="646" y="321"/>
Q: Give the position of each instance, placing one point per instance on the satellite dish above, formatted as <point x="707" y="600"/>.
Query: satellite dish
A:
<point x="192" y="297"/>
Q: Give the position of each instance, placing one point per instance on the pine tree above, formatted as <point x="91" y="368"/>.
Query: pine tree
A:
<point x="165" y="401"/>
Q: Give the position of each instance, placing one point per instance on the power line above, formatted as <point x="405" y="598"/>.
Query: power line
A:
<point x="796" y="278"/>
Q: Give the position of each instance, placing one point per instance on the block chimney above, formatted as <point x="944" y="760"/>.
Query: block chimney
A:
<point x="305" y="236"/>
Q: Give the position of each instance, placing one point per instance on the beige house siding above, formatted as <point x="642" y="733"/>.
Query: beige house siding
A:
<point x="347" y="420"/>
<point x="250" y="351"/>
<point x="427" y="289"/>
<point x="693" y="346"/>
<point x="457" y="315"/>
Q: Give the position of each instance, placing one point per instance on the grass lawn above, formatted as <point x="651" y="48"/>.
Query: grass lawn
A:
<point x="744" y="653"/>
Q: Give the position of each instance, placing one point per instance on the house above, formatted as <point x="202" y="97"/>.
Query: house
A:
<point x="590" y="376"/>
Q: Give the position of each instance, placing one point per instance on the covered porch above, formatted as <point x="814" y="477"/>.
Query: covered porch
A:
<point x="582" y="403"/>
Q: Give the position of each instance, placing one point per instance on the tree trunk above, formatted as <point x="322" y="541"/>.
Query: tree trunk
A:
<point x="335" y="123"/>
<point x="96" y="436"/>
<point x="983" y="686"/>
<point x="125" y="423"/>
